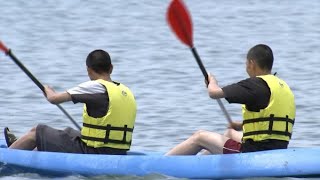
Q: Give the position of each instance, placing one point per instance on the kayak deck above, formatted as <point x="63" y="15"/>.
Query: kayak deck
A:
<point x="293" y="162"/>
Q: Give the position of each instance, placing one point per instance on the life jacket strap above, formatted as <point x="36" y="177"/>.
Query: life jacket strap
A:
<point x="108" y="127"/>
<point x="114" y="141"/>
<point x="270" y="130"/>
<point x="107" y="139"/>
<point x="268" y="119"/>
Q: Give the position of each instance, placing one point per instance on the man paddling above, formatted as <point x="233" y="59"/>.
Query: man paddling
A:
<point x="108" y="115"/>
<point x="268" y="111"/>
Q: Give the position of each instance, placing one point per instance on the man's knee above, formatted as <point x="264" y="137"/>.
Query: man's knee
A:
<point x="33" y="130"/>
<point x="32" y="133"/>
<point x="198" y="135"/>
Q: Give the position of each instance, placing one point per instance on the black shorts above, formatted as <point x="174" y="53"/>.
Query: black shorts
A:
<point x="270" y="144"/>
<point x="68" y="141"/>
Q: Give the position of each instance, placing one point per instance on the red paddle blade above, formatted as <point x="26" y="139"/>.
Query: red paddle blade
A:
<point x="180" y="22"/>
<point x="3" y="48"/>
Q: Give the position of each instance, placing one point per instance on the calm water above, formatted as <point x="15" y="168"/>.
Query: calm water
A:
<point x="53" y="38"/>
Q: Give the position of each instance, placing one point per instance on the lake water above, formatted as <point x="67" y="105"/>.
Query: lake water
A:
<point x="53" y="38"/>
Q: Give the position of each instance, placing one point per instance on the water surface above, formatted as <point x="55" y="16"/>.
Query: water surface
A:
<point x="53" y="38"/>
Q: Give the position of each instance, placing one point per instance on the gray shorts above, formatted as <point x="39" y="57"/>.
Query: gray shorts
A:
<point x="68" y="141"/>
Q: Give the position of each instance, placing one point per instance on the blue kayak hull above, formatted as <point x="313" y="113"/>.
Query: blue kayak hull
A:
<point x="294" y="162"/>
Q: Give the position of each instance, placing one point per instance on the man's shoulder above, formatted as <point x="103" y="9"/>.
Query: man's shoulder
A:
<point x="256" y="84"/>
<point x="253" y="81"/>
<point x="90" y="84"/>
<point x="88" y="87"/>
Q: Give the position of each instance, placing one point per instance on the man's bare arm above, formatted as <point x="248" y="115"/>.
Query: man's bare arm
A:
<point x="214" y="90"/>
<point x="55" y="97"/>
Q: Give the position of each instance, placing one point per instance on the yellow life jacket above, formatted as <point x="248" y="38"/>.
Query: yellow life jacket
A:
<point x="277" y="119"/>
<point x="114" y="130"/>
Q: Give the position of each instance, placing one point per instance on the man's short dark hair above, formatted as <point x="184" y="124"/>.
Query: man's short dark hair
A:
<point x="262" y="55"/>
<point x="99" y="61"/>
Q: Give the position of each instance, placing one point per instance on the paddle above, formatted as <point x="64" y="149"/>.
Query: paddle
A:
<point x="34" y="79"/>
<point x="180" y="22"/>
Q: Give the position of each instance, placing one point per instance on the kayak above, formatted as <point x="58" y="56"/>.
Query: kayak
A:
<point x="292" y="162"/>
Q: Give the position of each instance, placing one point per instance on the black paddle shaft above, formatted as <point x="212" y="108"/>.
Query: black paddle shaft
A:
<point x="37" y="82"/>
<point x="24" y="69"/>
<point x="205" y="74"/>
<point x="201" y="66"/>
